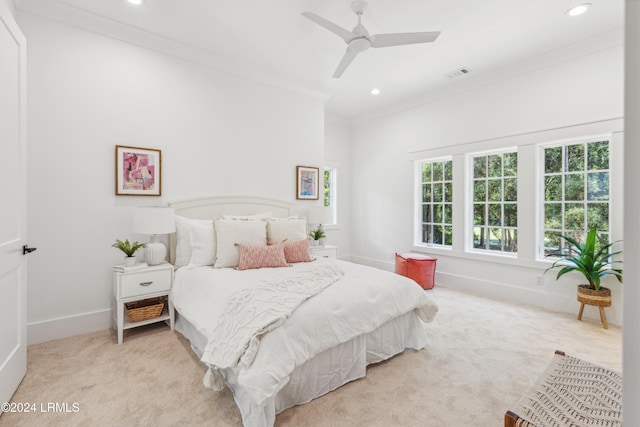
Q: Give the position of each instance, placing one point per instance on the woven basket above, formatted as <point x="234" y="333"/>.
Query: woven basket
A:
<point x="601" y="298"/>
<point x="144" y="309"/>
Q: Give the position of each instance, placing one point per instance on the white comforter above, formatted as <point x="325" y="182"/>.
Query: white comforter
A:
<point x="360" y="302"/>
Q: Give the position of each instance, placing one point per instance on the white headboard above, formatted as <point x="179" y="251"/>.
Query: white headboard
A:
<point x="212" y="207"/>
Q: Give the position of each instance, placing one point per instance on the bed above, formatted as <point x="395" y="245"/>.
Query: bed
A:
<point x="282" y="336"/>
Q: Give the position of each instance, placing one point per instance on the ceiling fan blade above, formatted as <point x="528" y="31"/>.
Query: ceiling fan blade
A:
<point x="398" y="39"/>
<point x="348" y="57"/>
<point x="345" y="35"/>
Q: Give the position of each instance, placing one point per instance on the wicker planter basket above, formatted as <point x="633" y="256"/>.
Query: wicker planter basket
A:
<point x="145" y="309"/>
<point x="601" y="298"/>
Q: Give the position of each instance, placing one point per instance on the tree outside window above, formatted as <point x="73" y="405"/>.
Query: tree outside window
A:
<point x="330" y="176"/>
<point x="495" y="201"/>
<point x="435" y="202"/>
<point x="576" y="192"/>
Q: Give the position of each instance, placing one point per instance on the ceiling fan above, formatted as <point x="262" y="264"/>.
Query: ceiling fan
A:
<point x="359" y="40"/>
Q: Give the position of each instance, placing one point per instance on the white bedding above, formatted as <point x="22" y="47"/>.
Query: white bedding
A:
<point x="361" y="302"/>
<point x="254" y="311"/>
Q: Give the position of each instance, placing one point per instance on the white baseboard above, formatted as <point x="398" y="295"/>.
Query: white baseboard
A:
<point x="53" y="329"/>
<point x="383" y="265"/>
<point x="48" y="330"/>
<point x="505" y="292"/>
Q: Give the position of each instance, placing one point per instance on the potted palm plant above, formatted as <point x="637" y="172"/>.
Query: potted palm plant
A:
<point x="129" y="250"/>
<point x="317" y="235"/>
<point x="593" y="263"/>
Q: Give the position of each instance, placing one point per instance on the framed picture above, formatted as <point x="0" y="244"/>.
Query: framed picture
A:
<point x="138" y="171"/>
<point x="307" y="182"/>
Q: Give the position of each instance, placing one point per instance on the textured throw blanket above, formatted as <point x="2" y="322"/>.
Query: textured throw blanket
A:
<point x="252" y="312"/>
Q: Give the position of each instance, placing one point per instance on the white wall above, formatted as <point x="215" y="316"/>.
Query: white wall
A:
<point x="219" y="135"/>
<point x="337" y="151"/>
<point x="578" y="97"/>
<point x="10" y="5"/>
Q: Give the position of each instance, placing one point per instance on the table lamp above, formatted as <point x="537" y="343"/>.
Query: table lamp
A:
<point x="154" y="220"/>
<point x="320" y="215"/>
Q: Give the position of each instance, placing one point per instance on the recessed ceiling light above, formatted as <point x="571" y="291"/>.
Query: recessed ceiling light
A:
<point x="578" y="9"/>
<point x="375" y="91"/>
<point x="136" y="2"/>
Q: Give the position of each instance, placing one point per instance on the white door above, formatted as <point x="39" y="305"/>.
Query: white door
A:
<point x="13" y="280"/>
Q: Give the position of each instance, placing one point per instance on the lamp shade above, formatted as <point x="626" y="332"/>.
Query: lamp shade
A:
<point x="320" y="215"/>
<point x="154" y="220"/>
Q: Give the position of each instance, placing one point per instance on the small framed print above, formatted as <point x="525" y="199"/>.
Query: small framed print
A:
<point x="307" y="182"/>
<point x="138" y="171"/>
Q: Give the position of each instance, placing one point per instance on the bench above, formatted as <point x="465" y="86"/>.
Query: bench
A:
<point x="570" y="392"/>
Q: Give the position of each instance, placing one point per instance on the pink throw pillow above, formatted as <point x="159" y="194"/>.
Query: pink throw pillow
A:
<point x="261" y="256"/>
<point x="297" y="251"/>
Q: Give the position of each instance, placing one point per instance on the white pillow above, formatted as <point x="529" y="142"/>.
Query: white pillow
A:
<point x="230" y="232"/>
<point x="291" y="229"/>
<point x="255" y="216"/>
<point x="203" y="244"/>
<point x="183" y="240"/>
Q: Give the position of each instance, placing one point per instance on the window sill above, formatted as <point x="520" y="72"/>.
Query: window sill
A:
<point x="508" y="259"/>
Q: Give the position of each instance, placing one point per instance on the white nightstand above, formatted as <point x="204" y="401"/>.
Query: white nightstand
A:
<point x="150" y="282"/>
<point x="326" y="251"/>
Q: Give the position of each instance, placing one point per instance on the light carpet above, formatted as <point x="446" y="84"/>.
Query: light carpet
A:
<point x="482" y="355"/>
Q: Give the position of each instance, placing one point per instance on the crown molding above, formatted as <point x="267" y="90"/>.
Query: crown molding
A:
<point x="64" y="13"/>
<point x="585" y="47"/>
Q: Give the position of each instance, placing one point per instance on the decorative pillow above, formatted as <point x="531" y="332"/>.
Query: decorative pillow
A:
<point x="263" y="215"/>
<point x="291" y="229"/>
<point x="183" y="240"/>
<point x="230" y="232"/>
<point x="261" y="256"/>
<point x="203" y="244"/>
<point x="297" y="251"/>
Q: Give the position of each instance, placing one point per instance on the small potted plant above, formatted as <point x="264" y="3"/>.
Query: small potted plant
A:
<point x="129" y="250"/>
<point x="593" y="263"/>
<point x="317" y="236"/>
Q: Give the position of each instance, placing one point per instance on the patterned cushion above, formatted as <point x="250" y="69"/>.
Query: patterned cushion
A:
<point x="297" y="251"/>
<point x="261" y="256"/>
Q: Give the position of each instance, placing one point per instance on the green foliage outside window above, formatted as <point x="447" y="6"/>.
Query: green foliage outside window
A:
<point x="495" y="198"/>
<point x="327" y="187"/>
<point x="437" y="202"/>
<point x="576" y="192"/>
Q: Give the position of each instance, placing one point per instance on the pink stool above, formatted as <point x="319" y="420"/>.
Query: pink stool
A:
<point x="420" y="268"/>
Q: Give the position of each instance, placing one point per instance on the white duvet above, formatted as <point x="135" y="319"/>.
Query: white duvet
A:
<point x="358" y="303"/>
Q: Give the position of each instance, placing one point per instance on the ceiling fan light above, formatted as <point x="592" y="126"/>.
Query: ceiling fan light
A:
<point x="578" y="9"/>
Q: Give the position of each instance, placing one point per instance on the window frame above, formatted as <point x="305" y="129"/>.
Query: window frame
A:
<point x="418" y="203"/>
<point x="333" y="195"/>
<point x="540" y="199"/>
<point x="470" y="200"/>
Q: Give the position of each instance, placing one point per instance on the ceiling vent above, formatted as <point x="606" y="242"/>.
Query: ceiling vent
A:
<point x="458" y="73"/>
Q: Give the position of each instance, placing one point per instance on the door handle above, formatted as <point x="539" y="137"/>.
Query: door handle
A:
<point x="27" y="250"/>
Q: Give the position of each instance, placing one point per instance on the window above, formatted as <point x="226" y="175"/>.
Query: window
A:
<point x="576" y="192"/>
<point x="495" y="201"/>
<point x="330" y="191"/>
<point x="435" y="202"/>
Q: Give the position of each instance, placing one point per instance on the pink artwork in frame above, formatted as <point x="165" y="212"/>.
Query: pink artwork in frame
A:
<point x="138" y="171"/>
<point x="307" y="182"/>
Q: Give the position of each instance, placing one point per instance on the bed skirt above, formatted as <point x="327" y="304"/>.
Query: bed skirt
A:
<point x="324" y="372"/>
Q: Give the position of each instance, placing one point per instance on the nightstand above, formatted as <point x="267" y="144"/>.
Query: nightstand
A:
<point x="326" y="251"/>
<point x="150" y="282"/>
